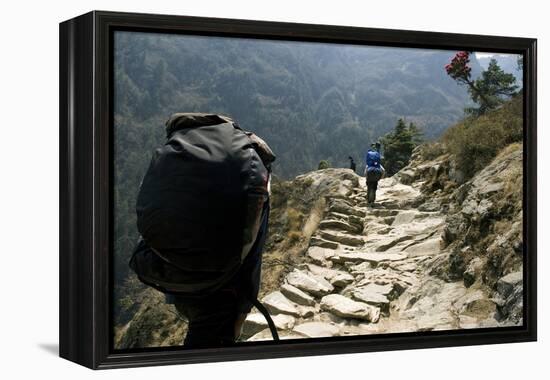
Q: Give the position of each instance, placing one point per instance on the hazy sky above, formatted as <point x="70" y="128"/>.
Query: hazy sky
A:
<point x="483" y="55"/>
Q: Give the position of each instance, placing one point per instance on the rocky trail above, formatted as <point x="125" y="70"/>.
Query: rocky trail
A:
<point x="437" y="251"/>
<point x="368" y="270"/>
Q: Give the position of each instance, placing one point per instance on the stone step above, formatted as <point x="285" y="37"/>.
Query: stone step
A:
<point x="353" y="220"/>
<point x="320" y="256"/>
<point x="405" y="267"/>
<point x="337" y="278"/>
<point x="345" y="208"/>
<point x="317" y="241"/>
<point x="347" y="308"/>
<point x="334" y="224"/>
<point x="361" y="268"/>
<point x="390" y="242"/>
<point x="399" y="281"/>
<point x="283" y="335"/>
<point x="314" y="285"/>
<point x="296" y="295"/>
<point x="343" y="238"/>
<point x="404" y="217"/>
<point x="255" y="322"/>
<point x="317" y="329"/>
<point x="383" y="212"/>
<point x="277" y="303"/>
<point x="430" y="247"/>
<point x="371" y="257"/>
<point x="374" y="294"/>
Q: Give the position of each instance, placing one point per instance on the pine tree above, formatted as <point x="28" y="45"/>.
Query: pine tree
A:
<point x="398" y="146"/>
<point x="490" y="90"/>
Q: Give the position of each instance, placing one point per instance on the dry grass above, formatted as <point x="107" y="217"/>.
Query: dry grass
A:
<point x="476" y="141"/>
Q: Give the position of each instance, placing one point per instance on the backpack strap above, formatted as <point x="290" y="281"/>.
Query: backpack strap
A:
<point x="267" y="317"/>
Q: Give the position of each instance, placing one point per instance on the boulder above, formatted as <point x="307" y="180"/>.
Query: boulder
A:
<point x="506" y="284"/>
<point x="406" y="176"/>
<point x="473" y="271"/>
<point x="347" y="308"/>
<point x="454" y="226"/>
<point x="475" y="304"/>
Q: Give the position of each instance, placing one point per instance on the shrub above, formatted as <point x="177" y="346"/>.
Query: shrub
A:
<point x="431" y="150"/>
<point x="476" y="141"/>
<point x="323" y="164"/>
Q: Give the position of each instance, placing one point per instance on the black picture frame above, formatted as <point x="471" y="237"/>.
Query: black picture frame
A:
<point x="86" y="177"/>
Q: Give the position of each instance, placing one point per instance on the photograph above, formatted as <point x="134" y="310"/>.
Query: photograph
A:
<point x="268" y="189"/>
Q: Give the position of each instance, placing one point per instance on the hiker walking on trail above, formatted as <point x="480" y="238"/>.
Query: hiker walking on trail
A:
<point x="373" y="171"/>
<point x="352" y="165"/>
<point x="202" y="212"/>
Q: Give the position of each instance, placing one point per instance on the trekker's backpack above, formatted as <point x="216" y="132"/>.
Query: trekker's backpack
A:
<point x="200" y="204"/>
<point x="373" y="160"/>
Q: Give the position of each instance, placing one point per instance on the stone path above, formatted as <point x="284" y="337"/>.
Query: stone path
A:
<point x="367" y="271"/>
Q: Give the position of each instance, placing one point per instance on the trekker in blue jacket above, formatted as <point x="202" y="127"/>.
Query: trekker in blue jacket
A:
<point x="373" y="171"/>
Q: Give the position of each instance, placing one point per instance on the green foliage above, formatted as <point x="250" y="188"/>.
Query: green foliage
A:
<point x="477" y="140"/>
<point x="490" y="90"/>
<point x="323" y="164"/>
<point x="398" y="146"/>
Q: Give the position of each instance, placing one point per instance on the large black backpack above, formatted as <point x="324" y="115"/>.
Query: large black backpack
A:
<point x="200" y="204"/>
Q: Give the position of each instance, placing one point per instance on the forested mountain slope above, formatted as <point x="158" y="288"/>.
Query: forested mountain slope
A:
<point x="309" y="101"/>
